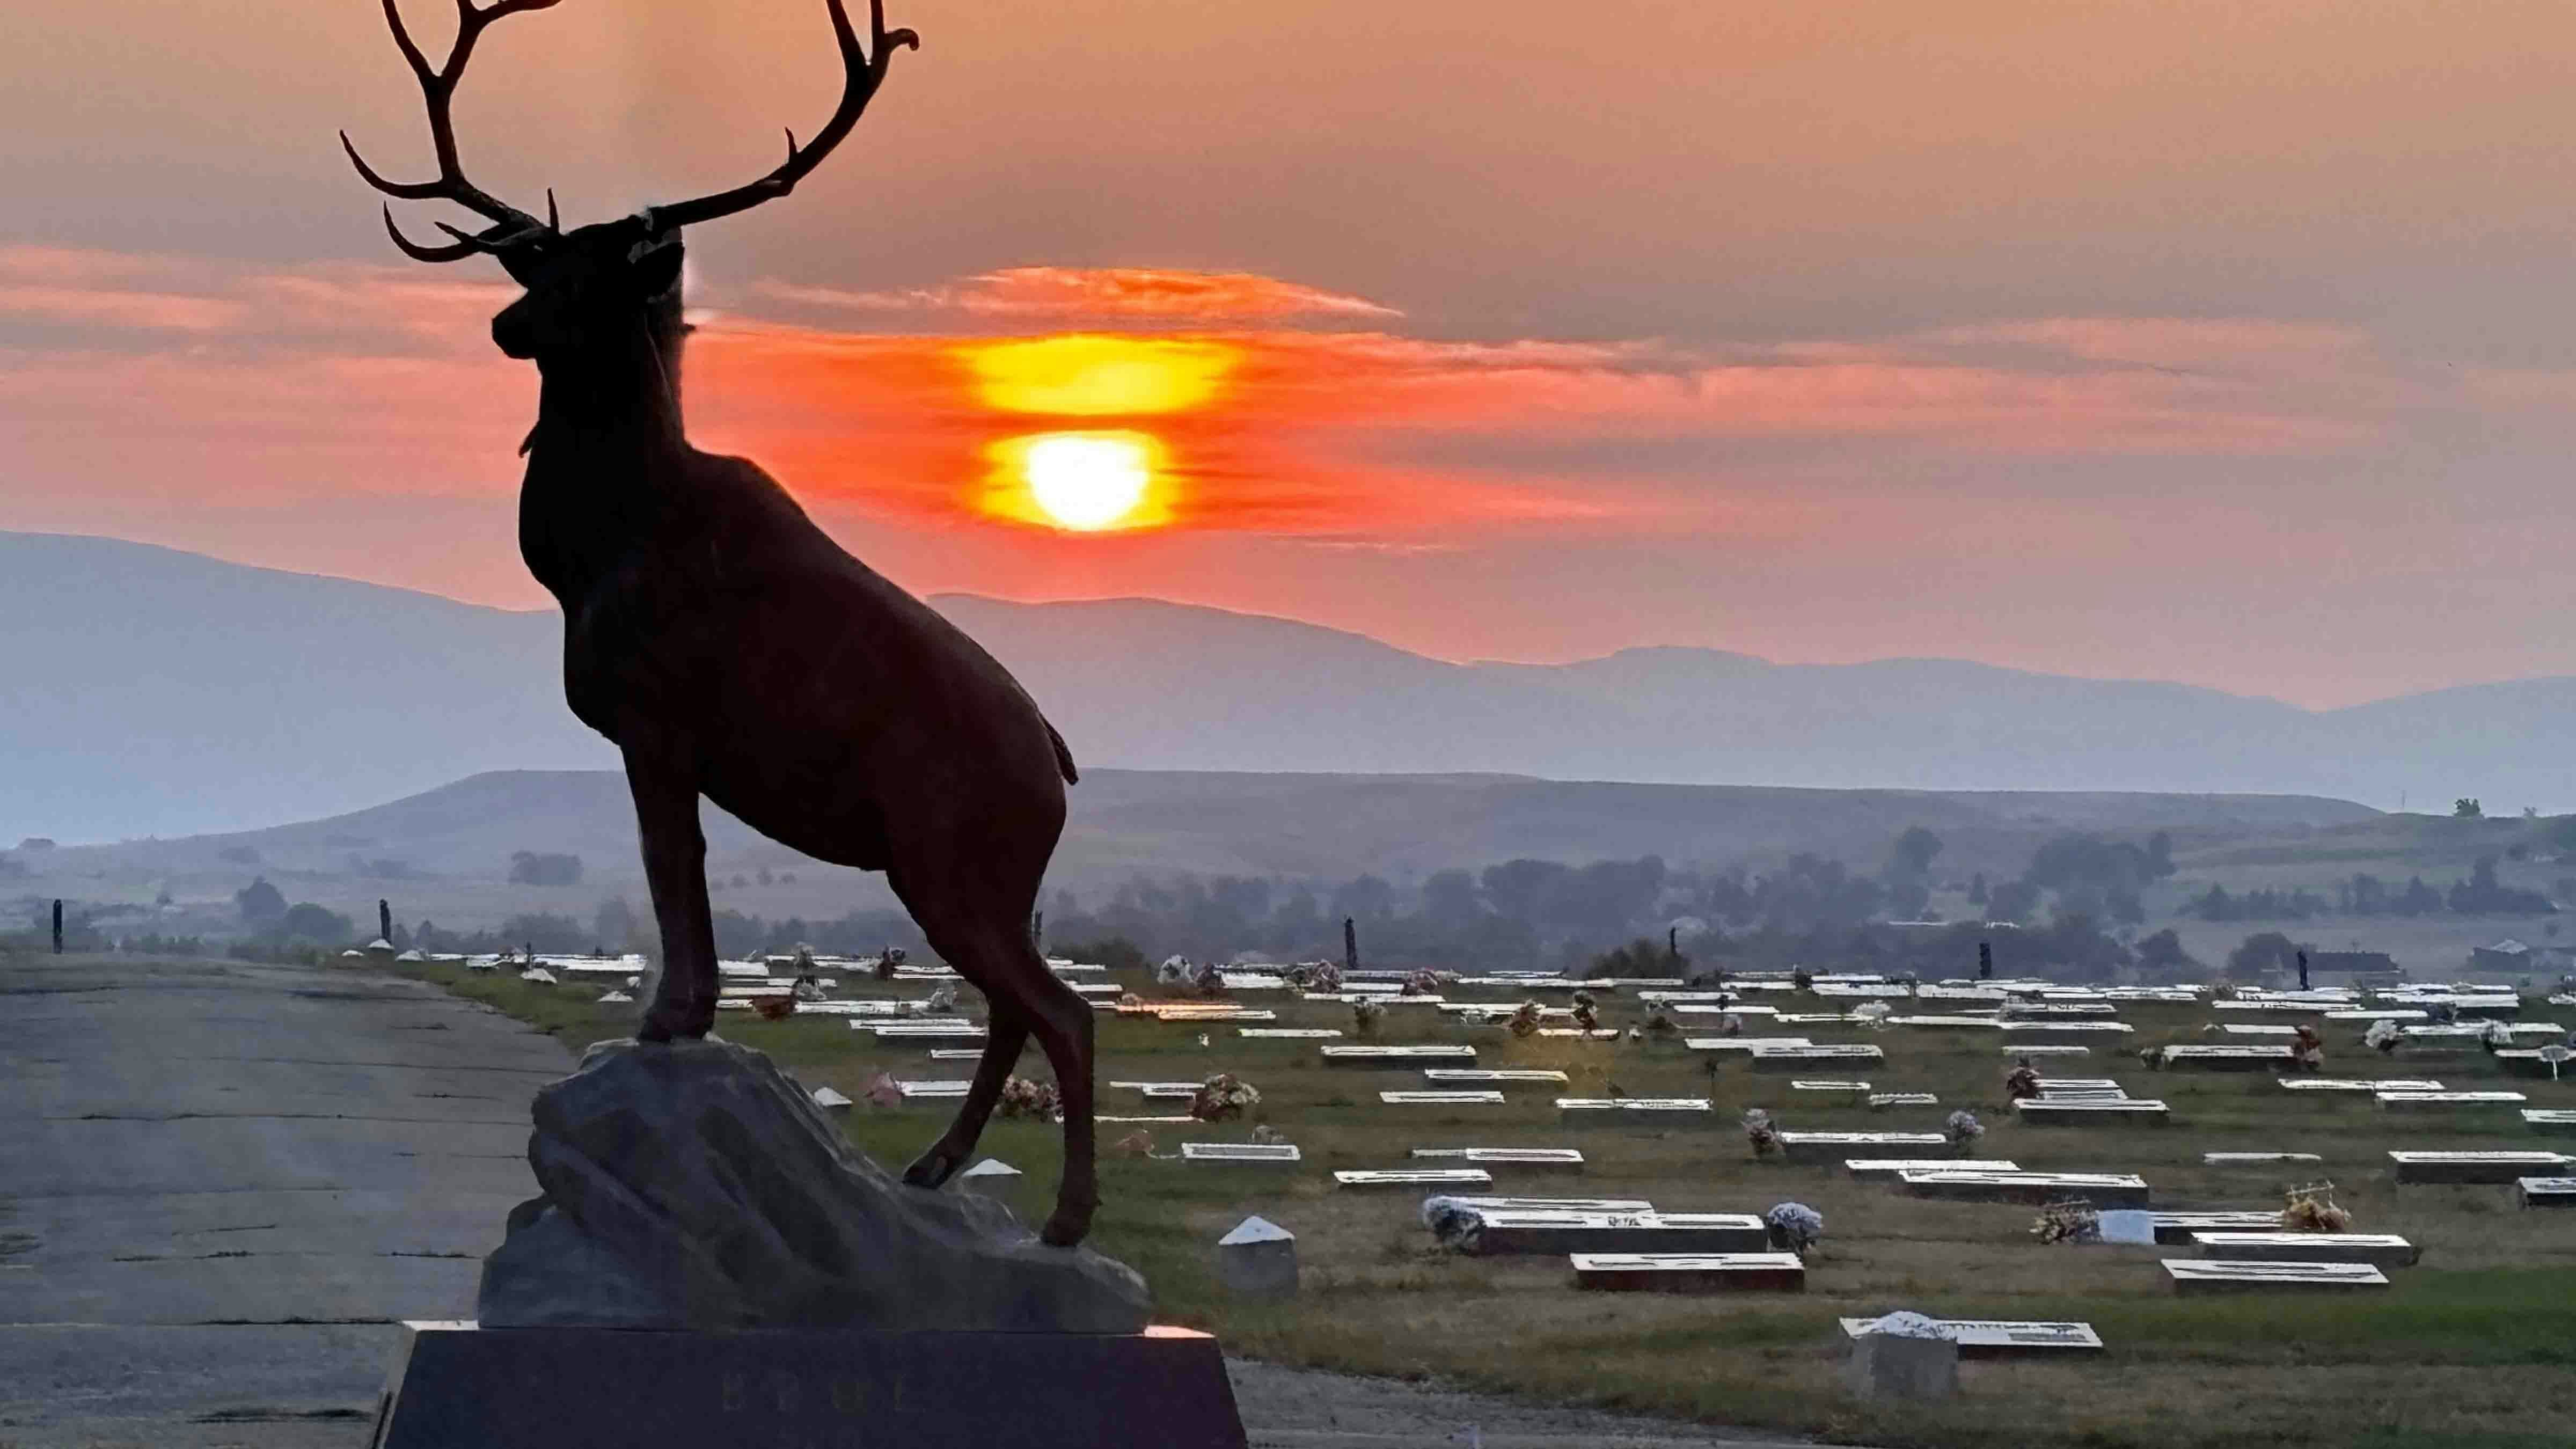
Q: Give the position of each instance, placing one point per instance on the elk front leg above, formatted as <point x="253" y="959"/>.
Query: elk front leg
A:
<point x="1006" y="1035"/>
<point x="675" y="867"/>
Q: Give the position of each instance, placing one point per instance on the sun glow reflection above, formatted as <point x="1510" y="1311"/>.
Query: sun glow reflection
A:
<point x="1091" y="482"/>
<point x="1096" y="377"/>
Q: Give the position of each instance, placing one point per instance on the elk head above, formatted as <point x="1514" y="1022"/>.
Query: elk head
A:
<point x="600" y="281"/>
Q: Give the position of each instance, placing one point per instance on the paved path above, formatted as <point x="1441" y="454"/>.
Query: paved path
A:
<point x="222" y="1184"/>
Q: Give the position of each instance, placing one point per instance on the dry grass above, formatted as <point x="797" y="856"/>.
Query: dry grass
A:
<point x="2474" y="1347"/>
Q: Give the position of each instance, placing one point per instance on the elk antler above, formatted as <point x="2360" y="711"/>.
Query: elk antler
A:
<point x="438" y="88"/>
<point x="863" y="72"/>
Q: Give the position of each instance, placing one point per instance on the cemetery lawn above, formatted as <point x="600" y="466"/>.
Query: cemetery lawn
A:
<point x="2476" y="1346"/>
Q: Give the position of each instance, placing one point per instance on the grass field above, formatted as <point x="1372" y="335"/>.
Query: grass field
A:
<point x="2476" y="1346"/>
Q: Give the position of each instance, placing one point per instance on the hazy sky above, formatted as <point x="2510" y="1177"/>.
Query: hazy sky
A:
<point x="2221" y="342"/>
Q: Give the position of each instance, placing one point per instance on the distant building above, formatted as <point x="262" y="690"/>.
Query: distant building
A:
<point x="2363" y="968"/>
<point x="2507" y="955"/>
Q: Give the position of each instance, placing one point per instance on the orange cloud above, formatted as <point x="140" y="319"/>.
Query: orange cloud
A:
<point x="188" y="375"/>
<point x="1072" y="295"/>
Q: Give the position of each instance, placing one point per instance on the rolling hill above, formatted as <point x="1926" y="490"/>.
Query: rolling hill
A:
<point x="153" y="692"/>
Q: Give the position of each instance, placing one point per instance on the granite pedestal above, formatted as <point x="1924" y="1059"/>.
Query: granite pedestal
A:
<point x="455" y="1384"/>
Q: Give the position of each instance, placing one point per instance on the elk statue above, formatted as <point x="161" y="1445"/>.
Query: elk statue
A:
<point x="732" y="650"/>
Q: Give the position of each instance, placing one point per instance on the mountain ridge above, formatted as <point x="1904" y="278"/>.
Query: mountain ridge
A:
<point x="151" y="691"/>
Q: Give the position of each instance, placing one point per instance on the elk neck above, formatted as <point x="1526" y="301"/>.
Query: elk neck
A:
<point x="608" y="451"/>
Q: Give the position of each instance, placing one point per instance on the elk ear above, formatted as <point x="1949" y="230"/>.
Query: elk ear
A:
<point x="657" y="269"/>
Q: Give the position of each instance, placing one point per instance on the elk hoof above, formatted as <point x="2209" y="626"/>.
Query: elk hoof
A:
<point x="931" y="1169"/>
<point x="1070" y="1225"/>
<point x="683" y="1020"/>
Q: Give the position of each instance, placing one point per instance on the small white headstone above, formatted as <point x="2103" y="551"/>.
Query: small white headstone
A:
<point x="1902" y="1356"/>
<point x="1258" y="1260"/>
<point x="2127" y="1225"/>
<point x="830" y="1101"/>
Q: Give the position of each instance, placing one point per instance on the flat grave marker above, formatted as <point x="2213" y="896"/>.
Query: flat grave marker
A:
<point x="1415" y="1177"/>
<point x="1994" y="1338"/>
<point x="2546" y="1192"/>
<point x="1241" y="1152"/>
<point x="2553" y="1121"/>
<point x="1443" y="1099"/>
<point x="2254" y="1159"/>
<point x="2215" y="1275"/>
<point x="1886" y="1169"/>
<point x="1494" y="1074"/>
<point x="2402" y="1101"/>
<point x="2226" y="1058"/>
<point x="2359" y="1087"/>
<point x="1288" y="1033"/>
<point x="932" y="1090"/>
<point x="1796" y="1146"/>
<point x="1856" y="1088"/>
<point x="1793" y="1058"/>
<point x="1394" y="1056"/>
<point x="1550" y="1204"/>
<point x="1690" y="1272"/>
<point x="2101" y="1189"/>
<point x="1742" y="1043"/>
<point x="1593" y="1111"/>
<point x="2173" y="1227"/>
<point x="1506" y="1231"/>
<point x="2092" y="1112"/>
<point x="2043" y="1049"/>
<point x="1904" y="1099"/>
<point x="2387" y="1250"/>
<point x="1527" y="1159"/>
<point x="2475" y="1167"/>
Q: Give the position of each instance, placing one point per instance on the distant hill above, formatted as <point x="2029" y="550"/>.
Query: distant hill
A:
<point x="148" y="691"/>
<point x="1331" y="827"/>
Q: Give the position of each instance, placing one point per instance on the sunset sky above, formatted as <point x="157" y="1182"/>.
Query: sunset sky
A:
<point x="2192" y="339"/>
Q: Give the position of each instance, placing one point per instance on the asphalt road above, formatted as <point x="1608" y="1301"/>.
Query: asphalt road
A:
<point x="222" y="1185"/>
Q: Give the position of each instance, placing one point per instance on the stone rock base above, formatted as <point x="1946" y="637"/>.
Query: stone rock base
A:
<point x="456" y="1384"/>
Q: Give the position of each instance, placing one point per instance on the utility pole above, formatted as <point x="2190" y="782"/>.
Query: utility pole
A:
<point x="385" y="922"/>
<point x="58" y="926"/>
<point x="1350" y="945"/>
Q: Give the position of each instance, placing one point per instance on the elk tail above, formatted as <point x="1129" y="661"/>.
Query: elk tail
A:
<point x="1063" y="757"/>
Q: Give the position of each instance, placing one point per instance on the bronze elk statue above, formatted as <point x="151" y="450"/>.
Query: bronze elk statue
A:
<point x="731" y="650"/>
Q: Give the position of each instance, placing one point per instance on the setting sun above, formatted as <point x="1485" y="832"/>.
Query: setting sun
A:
<point x="1091" y="482"/>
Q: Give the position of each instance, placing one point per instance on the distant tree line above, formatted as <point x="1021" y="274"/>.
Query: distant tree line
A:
<point x="2367" y="895"/>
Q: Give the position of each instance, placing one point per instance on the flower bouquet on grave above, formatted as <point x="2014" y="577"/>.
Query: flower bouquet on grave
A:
<point x="883" y="1091"/>
<point x="1209" y="979"/>
<point x="1365" y="1014"/>
<point x="1174" y="971"/>
<point x="1420" y="983"/>
<point x="1139" y="1143"/>
<point x="1761" y="1131"/>
<point x="1587" y="1012"/>
<point x="775" y="1008"/>
<point x="2383" y="1036"/>
<point x="1659" y="1023"/>
<point x="2311" y="1208"/>
<point x="941" y="1001"/>
<point x="2069" y="1220"/>
<point x="1801" y="978"/>
<point x="1224" y="1097"/>
<point x="1794" y="1227"/>
<point x="2021" y="1082"/>
<point x="1873" y="1014"/>
<point x="2307" y="1049"/>
<point x="1963" y="1129"/>
<point x="887" y="960"/>
<point x="1024" y="1098"/>
<point x="1524" y="1022"/>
